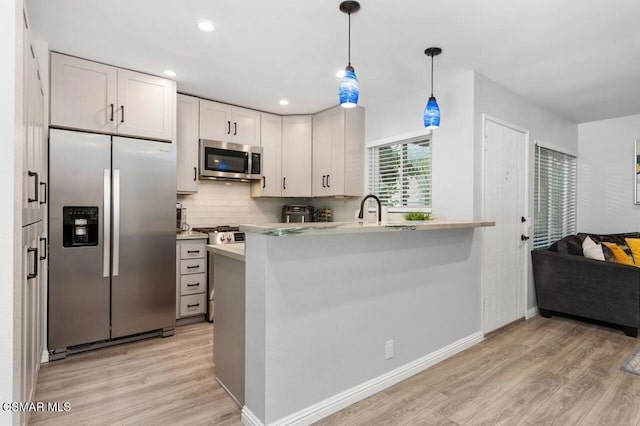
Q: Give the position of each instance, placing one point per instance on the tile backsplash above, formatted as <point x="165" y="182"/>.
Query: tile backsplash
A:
<point x="230" y="203"/>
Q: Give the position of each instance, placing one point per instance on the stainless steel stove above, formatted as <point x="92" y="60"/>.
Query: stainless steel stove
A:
<point x="223" y="234"/>
<point x="218" y="235"/>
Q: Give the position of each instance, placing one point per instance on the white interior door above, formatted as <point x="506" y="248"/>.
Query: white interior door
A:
<point x="504" y="201"/>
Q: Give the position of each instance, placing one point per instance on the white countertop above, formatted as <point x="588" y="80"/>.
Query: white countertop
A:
<point x="233" y="251"/>
<point x="326" y="228"/>
<point x="191" y="235"/>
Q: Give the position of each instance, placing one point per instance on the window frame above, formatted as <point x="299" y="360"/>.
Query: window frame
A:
<point x="413" y="137"/>
<point x="565" y="152"/>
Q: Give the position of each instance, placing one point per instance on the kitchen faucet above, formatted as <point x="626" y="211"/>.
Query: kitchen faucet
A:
<point x="361" y="214"/>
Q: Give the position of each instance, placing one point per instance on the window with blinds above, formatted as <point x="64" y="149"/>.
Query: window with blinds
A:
<point x="400" y="174"/>
<point x="554" y="196"/>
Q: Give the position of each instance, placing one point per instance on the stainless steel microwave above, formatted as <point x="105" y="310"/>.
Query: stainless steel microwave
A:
<point x="226" y="160"/>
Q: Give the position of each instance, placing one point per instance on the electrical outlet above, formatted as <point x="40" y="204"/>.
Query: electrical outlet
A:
<point x="388" y="349"/>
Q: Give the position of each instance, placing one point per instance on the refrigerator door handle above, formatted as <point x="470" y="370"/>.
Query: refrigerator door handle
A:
<point x="106" y="219"/>
<point x="116" y="222"/>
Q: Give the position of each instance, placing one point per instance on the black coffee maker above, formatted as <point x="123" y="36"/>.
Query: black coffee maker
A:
<point x="297" y="214"/>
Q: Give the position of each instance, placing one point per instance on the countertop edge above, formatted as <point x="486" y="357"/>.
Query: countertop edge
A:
<point x="225" y="251"/>
<point x="333" y="228"/>
<point x="191" y="235"/>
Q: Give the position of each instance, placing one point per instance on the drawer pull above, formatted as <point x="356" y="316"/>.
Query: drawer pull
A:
<point x="193" y="251"/>
<point x="193" y="267"/>
<point x="193" y="285"/>
<point x="193" y="306"/>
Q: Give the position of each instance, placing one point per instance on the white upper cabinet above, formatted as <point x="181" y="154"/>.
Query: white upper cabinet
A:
<point x="226" y="123"/>
<point x="34" y="156"/>
<point x="83" y="94"/>
<point x="338" y="152"/>
<point x="215" y="121"/>
<point x="187" y="144"/>
<point x="246" y="126"/>
<point x="296" y="156"/>
<point x="271" y="142"/>
<point x="146" y="105"/>
<point x="86" y="95"/>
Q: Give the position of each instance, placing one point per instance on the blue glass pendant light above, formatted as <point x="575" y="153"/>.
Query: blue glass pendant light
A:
<point x="432" y="110"/>
<point x="349" y="86"/>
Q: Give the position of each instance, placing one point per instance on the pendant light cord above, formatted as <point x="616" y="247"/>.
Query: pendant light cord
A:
<point x="349" y="38"/>
<point x="431" y="75"/>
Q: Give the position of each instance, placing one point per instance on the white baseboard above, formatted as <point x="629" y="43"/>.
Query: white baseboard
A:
<point x="45" y="356"/>
<point x="531" y="313"/>
<point x="250" y="419"/>
<point x="357" y="393"/>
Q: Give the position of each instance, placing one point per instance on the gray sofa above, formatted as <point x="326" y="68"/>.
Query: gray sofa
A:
<point x="567" y="282"/>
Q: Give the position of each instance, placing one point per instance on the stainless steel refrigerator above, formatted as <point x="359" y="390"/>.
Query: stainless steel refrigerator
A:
<point x="112" y="238"/>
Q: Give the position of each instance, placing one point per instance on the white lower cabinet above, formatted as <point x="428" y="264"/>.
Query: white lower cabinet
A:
<point x="34" y="265"/>
<point x="191" y="278"/>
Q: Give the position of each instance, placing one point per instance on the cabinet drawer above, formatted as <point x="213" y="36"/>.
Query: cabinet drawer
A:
<point x="193" y="266"/>
<point x="193" y="283"/>
<point x="194" y="304"/>
<point x="193" y="251"/>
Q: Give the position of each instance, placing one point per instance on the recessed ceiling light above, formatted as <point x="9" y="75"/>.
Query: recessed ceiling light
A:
<point x="284" y="102"/>
<point x="206" y="26"/>
<point x="340" y="73"/>
<point x="169" y="73"/>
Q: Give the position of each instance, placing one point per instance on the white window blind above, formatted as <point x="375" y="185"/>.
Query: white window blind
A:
<point x="554" y="196"/>
<point x="400" y="174"/>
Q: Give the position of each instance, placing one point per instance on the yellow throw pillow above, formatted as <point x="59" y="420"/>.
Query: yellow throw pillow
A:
<point x="634" y="245"/>
<point x="619" y="254"/>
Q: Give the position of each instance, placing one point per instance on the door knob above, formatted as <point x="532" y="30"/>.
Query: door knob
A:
<point x="523" y="238"/>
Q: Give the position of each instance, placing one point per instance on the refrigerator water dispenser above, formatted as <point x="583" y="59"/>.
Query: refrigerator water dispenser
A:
<point x="79" y="226"/>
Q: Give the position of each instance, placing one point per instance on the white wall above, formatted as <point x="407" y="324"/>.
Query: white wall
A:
<point x="494" y="100"/>
<point x="457" y="158"/>
<point x="230" y="203"/>
<point x="11" y="194"/>
<point x="452" y="146"/>
<point x="320" y="309"/>
<point x="606" y="176"/>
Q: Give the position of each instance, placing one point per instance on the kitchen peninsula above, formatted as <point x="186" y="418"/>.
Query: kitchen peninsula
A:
<point x="338" y="311"/>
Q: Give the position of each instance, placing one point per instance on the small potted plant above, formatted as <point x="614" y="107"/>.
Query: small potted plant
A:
<point x="417" y="216"/>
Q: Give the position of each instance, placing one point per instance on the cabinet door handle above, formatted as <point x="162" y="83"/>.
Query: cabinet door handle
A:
<point x="111" y="119"/>
<point x="122" y="118"/>
<point x="235" y="128"/>
<point x="323" y="181"/>
<point x="193" y="285"/>
<point x="193" y="306"/>
<point x="45" y="192"/>
<point x="193" y="267"/>
<point x="31" y="275"/>
<point x="36" y="187"/>
<point x="228" y="127"/>
<point x="264" y="182"/>
<point x="195" y="174"/>
<point x="45" y="248"/>
<point x="328" y="181"/>
<point x="284" y="183"/>
<point x="193" y="251"/>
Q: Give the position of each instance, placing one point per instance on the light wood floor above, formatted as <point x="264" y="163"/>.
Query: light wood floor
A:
<point x="168" y="381"/>
<point x="542" y="371"/>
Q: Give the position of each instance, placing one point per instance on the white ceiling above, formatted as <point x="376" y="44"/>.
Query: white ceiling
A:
<point x="580" y="58"/>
